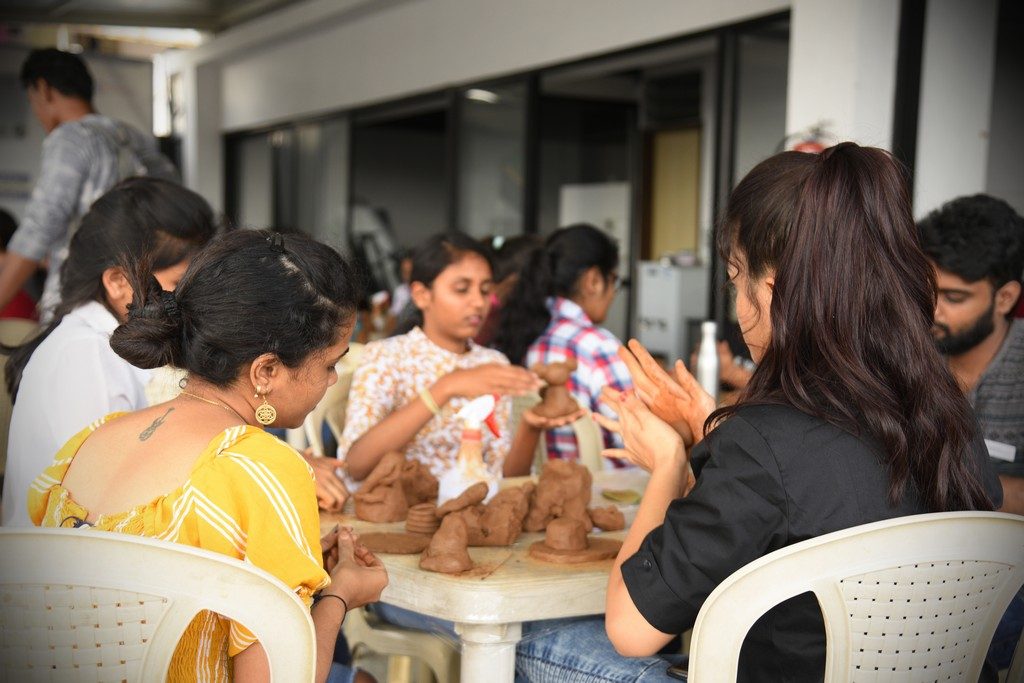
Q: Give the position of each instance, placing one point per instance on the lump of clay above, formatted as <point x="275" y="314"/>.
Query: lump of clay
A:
<point x="447" y="550"/>
<point x="419" y="484"/>
<point x="557" y="401"/>
<point x="500" y="522"/>
<point x="474" y="495"/>
<point x="381" y="497"/>
<point x="562" y="491"/>
<point x="608" y="518"/>
<point x="566" y="542"/>
<point x="566" y="534"/>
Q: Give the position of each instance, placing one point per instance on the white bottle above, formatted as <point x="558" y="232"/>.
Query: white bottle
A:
<point x="707" y="359"/>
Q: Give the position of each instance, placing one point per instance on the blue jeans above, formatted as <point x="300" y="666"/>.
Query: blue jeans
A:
<point x="1007" y="633"/>
<point x="340" y="673"/>
<point x="576" y="650"/>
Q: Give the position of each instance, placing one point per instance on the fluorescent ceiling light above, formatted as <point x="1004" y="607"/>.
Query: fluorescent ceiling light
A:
<point x="478" y="95"/>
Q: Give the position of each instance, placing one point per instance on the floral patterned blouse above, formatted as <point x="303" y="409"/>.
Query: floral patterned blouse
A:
<point x="392" y="373"/>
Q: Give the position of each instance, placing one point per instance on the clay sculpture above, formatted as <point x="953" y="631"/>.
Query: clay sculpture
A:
<point x="474" y="495"/>
<point x="419" y="484"/>
<point x="447" y="552"/>
<point x="381" y="497"/>
<point x="608" y="518"/>
<point x="421" y="519"/>
<point x="566" y="542"/>
<point x="500" y="522"/>
<point x="557" y="401"/>
<point x="563" y="490"/>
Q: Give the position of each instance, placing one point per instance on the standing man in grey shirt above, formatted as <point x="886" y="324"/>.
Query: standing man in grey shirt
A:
<point x="84" y="155"/>
<point x="977" y="247"/>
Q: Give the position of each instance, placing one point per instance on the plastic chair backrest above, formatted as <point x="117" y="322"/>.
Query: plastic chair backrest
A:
<point x="331" y="408"/>
<point x="13" y="331"/>
<point x="86" y="605"/>
<point x="911" y="598"/>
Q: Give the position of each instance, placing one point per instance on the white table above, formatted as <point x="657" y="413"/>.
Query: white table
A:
<point x="490" y="603"/>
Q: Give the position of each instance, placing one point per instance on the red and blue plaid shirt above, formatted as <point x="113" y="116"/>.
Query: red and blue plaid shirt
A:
<point x="571" y="334"/>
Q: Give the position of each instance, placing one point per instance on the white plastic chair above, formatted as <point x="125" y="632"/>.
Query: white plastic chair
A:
<point x="85" y="605"/>
<point x="331" y="408"/>
<point x="440" y="656"/>
<point x="908" y="599"/>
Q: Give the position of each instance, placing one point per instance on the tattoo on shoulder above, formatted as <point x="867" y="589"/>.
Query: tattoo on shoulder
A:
<point x="148" y="431"/>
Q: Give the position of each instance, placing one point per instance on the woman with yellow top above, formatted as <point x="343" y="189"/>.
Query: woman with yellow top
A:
<point x="259" y="321"/>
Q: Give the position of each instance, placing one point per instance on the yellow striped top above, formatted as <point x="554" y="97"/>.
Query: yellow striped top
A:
<point x="249" y="496"/>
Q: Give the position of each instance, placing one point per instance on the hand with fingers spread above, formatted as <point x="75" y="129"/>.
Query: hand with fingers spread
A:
<point x="331" y="492"/>
<point x="650" y="443"/>
<point x="679" y="401"/>
<point x="490" y="378"/>
<point x="358" y="577"/>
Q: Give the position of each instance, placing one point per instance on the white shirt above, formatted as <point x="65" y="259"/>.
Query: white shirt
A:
<point x="72" y="379"/>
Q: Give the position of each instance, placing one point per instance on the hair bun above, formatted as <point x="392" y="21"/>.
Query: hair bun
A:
<point x="151" y="335"/>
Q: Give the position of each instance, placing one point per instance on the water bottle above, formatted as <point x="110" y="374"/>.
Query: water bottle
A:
<point x="707" y="359"/>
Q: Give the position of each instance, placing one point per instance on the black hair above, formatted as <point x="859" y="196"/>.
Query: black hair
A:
<point x="62" y="71"/>
<point x="976" y="237"/>
<point x="429" y="260"/>
<point x="512" y="255"/>
<point x="554" y="270"/>
<point x="143" y="218"/>
<point x="8" y="226"/>
<point x="248" y="293"/>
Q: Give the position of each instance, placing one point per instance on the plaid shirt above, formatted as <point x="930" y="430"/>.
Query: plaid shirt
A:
<point x="571" y="334"/>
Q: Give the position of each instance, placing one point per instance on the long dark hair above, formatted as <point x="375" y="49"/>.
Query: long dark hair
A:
<point x="248" y="293"/>
<point x="143" y="218"/>
<point x="851" y="313"/>
<point x="554" y="270"/>
<point x="429" y="260"/>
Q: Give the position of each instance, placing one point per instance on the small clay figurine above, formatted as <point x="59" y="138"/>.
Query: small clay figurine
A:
<point x="557" y="401"/>
<point x="447" y="550"/>
<point x="474" y="495"/>
<point x="563" y="490"/>
<point x="381" y="498"/>
<point x="421" y="519"/>
<point x="419" y="484"/>
<point x="566" y="542"/>
<point x="500" y="522"/>
<point x="608" y="518"/>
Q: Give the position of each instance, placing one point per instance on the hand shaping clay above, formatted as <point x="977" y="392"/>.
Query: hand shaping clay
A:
<point x="471" y="496"/>
<point x="381" y="498"/>
<point x="608" y="518"/>
<point x="557" y="401"/>
<point x="419" y="484"/>
<point x="566" y="542"/>
<point x="562" y="491"/>
<point x="447" y="550"/>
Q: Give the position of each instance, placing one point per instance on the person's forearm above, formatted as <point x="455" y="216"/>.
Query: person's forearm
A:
<point x="392" y="433"/>
<point x="15" y="273"/>
<point x="520" y="456"/>
<point x="327" y="617"/>
<point x="665" y="485"/>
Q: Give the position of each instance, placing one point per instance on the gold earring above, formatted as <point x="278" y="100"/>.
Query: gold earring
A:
<point x="265" y="413"/>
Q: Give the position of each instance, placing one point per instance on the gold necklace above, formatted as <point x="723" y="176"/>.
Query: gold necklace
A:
<point x="216" y="403"/>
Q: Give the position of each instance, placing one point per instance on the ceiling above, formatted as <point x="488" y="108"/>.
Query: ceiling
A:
<point x="204" y="15"/>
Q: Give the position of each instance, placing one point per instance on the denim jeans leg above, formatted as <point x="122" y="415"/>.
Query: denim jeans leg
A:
<point x="578" y="651"/>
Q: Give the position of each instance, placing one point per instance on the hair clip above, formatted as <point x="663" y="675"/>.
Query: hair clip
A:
<point x="276" y="241"/>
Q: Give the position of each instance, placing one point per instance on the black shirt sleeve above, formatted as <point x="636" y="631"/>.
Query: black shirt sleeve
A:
<point x="735" y="514"/>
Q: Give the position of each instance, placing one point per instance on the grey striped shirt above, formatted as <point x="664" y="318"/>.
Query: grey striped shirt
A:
<point x="81" y="160"/>
<point x="998" y="399"/>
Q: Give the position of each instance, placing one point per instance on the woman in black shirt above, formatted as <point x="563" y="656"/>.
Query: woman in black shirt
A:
<point x="851" y="417"/>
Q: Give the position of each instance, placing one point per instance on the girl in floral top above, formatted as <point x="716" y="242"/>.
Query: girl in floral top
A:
<point x="408" y="388"/>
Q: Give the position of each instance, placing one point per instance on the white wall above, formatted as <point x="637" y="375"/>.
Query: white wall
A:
<point x="124" y="90"/>
<point x="956" y="101"/>
<point x="842" y="68"/>
<point x="1005" y="172"/>
<point x="327" y="55"/>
